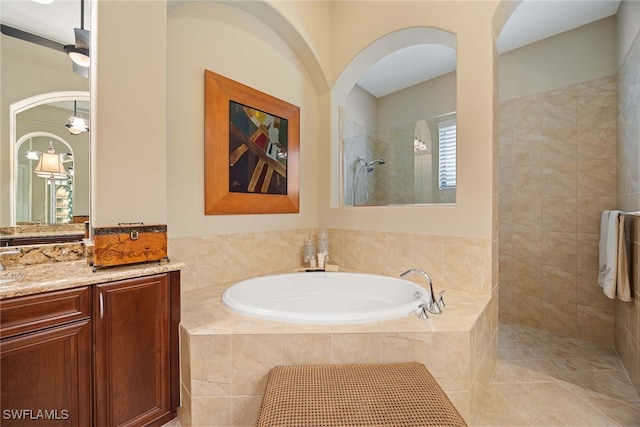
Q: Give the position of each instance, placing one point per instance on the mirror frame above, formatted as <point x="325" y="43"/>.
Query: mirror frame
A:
<point x="14" y="110"/>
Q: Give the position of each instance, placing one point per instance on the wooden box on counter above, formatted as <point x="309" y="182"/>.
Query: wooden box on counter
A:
<point x="129" y="244"/>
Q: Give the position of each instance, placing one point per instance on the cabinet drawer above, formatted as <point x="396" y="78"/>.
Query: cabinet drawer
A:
<point x="29" y="313"/>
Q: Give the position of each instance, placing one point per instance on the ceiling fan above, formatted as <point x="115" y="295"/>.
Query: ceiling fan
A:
<point x="77" y="124"/>
<point x="78" y="52"/>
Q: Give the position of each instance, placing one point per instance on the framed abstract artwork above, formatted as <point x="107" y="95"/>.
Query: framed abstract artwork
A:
<point x="251" y="142"/>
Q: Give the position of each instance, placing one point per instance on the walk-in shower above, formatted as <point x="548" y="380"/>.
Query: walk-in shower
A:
<point x="360" y="167"/>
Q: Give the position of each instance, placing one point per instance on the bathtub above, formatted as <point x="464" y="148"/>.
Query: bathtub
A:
<point x="324" y="297"/>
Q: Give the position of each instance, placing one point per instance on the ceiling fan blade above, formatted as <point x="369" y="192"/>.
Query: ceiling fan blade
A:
<point x="83" y="71"/>
<point x="31" y="38"/>
<point x="48" y="123"/>
<point x="83" y="38"/>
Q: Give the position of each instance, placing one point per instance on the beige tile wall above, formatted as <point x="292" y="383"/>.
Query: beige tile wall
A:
<point x="628" y="314"/>
<point x="462" y="263"/>
<point x="557" y="172"/>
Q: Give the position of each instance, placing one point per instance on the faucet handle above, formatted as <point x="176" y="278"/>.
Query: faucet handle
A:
<point x="422" y="311"/>
<point x="434" y="307"/>
<point x="440" y="301"/>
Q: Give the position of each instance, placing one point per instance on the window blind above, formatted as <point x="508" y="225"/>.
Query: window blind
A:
<point x="447" y="154"/>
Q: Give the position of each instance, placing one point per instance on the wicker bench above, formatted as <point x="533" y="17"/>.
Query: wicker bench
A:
<point x="394" y="395"/>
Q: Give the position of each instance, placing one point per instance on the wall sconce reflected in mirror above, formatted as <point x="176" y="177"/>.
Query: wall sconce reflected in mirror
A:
<point x="33" y="155"/>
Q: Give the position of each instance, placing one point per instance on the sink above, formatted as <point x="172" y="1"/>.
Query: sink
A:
<point x="11" y="276"/>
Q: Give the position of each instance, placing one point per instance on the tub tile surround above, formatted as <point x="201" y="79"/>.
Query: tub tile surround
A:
<point x="460" y="263"/>
<point x="557" y="172"/>
<point x="226" y="356"/>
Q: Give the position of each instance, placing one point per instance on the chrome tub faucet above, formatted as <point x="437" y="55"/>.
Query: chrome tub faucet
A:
<point x="430" y="304"/>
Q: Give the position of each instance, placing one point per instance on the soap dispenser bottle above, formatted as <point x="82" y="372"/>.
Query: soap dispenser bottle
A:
<point x="323" y="243"/>
<point x="309" y="251"/>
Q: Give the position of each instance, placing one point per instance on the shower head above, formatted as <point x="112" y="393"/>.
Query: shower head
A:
<point x="372" y="164"/>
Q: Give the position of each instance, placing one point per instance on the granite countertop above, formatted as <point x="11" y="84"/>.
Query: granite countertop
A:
<point x="41" y="230"/>
<point x="65" y="275"/>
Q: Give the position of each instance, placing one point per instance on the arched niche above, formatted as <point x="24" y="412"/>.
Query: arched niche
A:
<point x="372" y="54"/>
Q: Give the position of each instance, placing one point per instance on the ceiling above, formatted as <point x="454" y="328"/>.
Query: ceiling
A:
<point x="54" y="21"/>
<point x="533" y="20"/>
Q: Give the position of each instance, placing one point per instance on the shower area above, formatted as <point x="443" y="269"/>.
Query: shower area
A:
<point x="566" y="154"/>
<point x="395" y="166"/>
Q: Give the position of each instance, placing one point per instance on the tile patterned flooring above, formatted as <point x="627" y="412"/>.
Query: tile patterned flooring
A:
<point x="545" y="380"/>
<point x="542" y="379"/>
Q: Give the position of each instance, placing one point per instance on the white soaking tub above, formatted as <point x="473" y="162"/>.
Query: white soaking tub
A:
<point x="324" y="297"/>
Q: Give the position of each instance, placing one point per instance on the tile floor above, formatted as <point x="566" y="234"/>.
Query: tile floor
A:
<point x="541" y="379"/>
<point x="545" y="380"/>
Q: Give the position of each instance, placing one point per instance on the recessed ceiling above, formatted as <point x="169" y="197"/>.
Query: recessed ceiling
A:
<point x="535" y="20"/>
<point x="407" y="67"/>
<point x="532" y="21"/>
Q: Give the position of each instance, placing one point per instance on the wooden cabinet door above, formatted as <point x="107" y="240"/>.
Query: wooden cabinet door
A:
<point x="46" y="377"/>
<point x="131" y="356"/>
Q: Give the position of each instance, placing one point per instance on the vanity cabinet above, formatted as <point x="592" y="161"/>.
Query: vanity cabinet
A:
<point x="45" y="359"/>
<point x="102" y="355"/>
<point x="132" y="351"/>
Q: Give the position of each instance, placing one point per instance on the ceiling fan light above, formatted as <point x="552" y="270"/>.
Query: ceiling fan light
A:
<point x="78" y="55"/>
<point x="73" y="131"/>
<point x="77" y="125"/>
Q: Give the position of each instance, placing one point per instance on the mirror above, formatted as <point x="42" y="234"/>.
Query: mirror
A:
<point x="41" y="197"/>
<point x="407" y="164"/>
<point x="39" y="89"/>
<point x="398" y="129"/>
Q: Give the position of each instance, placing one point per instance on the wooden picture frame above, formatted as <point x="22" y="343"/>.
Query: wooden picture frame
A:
<point x="247" y="153"/>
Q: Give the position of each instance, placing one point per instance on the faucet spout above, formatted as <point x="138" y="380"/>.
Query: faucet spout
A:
<point x="430" y="304"/>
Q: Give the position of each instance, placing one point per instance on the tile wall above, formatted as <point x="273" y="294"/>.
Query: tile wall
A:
<point x="453" y="262"/>
<point x="628" y="314"/>
<point x="557" y="172"/>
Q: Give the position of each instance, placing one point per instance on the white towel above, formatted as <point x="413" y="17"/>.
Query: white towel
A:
<point x="612" y="275"/>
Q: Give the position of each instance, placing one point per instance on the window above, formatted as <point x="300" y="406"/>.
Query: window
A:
<point x="447" y="155"/>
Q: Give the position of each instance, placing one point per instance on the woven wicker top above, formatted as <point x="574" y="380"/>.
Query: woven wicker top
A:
<point x="395" y="394"/>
